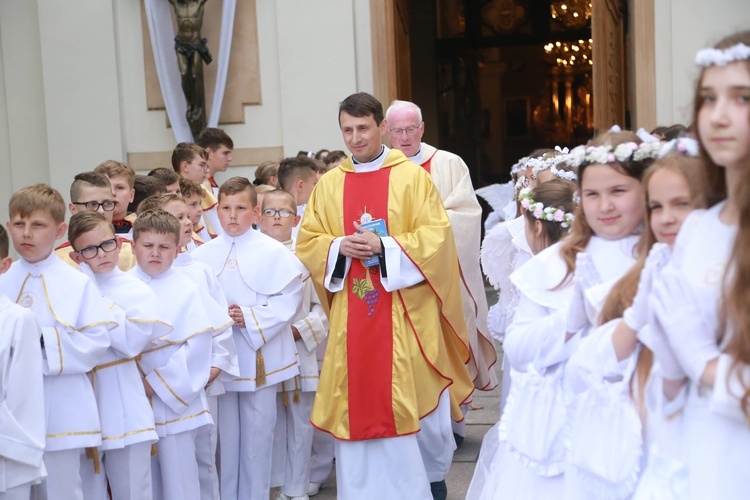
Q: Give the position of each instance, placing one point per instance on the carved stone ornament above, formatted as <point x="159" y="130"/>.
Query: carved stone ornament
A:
<point x="504" y="16"/>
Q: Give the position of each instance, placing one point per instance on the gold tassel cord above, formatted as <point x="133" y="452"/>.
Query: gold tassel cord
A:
<point x="153" y="450"/>
<point x="296" y="390"/>
<point x="284" y="397"/>
<point x="92" y="453"/>
<point x="260" y="369"/>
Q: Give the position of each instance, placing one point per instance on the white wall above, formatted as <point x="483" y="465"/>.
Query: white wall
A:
<point x="682" y="28"/>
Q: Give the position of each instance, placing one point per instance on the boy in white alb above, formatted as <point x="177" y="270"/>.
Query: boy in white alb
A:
<point x="22" y="400"/>
<point x="75" y="322"/>
<point x="293" y="438"/>
<point x="124" y="410"/>
<point x="263" y="283"/>
<point x="176" y="367"/>
<point x="224" y="352"/>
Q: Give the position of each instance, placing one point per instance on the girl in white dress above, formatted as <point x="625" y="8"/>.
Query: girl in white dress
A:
<point x="529" y="461"/>
<point x="700" y="300"/>
<point x="607" y="376"/>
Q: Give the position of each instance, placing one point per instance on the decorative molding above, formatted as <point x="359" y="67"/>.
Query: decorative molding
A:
<point x="383" y="39"/>
<point x="240" y="157"/>
<point x="609" y="64"/>
<point x="644" y="64"/>
<point x="243" y="79"/>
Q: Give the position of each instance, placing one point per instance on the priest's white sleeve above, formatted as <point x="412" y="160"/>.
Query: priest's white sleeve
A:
<point x="264" y="322"/>
<point x="537" y="335"/>
<point x="335" y="284"/>
<point x="69" y="350"/>
<point x="183" y="377"/>
<point x="402" y="272"/>
<point x="22" y="424"/>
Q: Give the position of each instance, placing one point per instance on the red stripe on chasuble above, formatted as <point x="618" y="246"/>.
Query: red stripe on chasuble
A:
<point x="428" y="164"/>
<point x="369" y="327"/>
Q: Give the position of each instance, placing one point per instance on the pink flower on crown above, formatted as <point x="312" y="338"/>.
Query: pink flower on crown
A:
<point x="559" y="214"/>
<point x="525" y="203"/>
<point x="538" y="212"/>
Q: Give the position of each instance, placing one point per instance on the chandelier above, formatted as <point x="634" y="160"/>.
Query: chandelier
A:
<point x="572" y="13"/>
<point x="569" y="54"/>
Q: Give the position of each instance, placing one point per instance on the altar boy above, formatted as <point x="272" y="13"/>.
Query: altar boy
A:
<point x="21" y="394"/>
<point x="292" y="446"/>
<point x="75" y="322"/>
<point x="176" y="369"/>
<point x="263" y="282"/>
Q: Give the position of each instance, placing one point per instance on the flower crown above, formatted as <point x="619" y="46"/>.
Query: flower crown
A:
<point x="687" y="146"/>
<point x="627" y="151"/>
<point x="539" y="211"/>
<point x="722" y="57"/>
<point x="519" y="166"/>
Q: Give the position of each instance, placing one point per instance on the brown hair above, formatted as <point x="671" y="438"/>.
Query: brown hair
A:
<point x="88" y="179"/>
<point x="4" y="243"/>
<point x="235" y="185"/>
<point x="112" y="168"/>
<point x="145" y="186"/>
<point x="165" y="175"/>
<point x="265" y="171"/>
<point x="280" y="193"/>
<point x="555" y="193"/>
<point x="293" y="169"/>
<point x="623" y="292"/>
<point x="361" y="105"/>
<point x="189" y="187"/>
<point x="735" y="309"/>
<point x="30" y="199"/>
<point x="186" y="151"/>
<point x="156" y="221"/>
<point x="581" y="233"/>
<point x="213" y="138"/>
<point x="333" y="157"/>
<point x="157" y="201"/>
<point x="83" y="222"/>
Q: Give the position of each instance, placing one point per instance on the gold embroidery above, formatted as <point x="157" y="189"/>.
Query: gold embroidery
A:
<point x="112" y="363"/>
<point x="59" y="350"/>
<point x="135" y="320"/>
<point x="182" y="341"/>
<point x="66" y="325"/>
<point x="224" y="327"/>
<point x="260" y="330"/>
<point x="131" y="433"/>
<point x="182" y="418"/>
<point x="309" y="376"/>
<point x="169" y="388"/>
<point x="23" y="285"/>
<point x="267" y="373"/>
<point x="77" y="433"/>
<point x="312" y="330"/>
<point x="306" y="278"/>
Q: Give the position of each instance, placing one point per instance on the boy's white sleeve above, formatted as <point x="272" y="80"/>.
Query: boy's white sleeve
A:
<point x="184" y="376"/>
<point x="22" y="425"/>
<point x="223" y="349"/>
<point x="132" y="334"/>
<point x="313" y="328"/>
<point x="264" y="322"/>
<point x="72" y="350"/>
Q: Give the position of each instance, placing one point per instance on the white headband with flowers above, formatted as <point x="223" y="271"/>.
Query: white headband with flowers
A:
<point x="722" y="57"/>
<point x="539" y="211"/>
<point x="628" y="151"/>
<point x="687" y="146"/>
<point x="519" y="166"/>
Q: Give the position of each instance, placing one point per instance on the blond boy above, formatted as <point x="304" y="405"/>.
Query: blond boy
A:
<point x="124" y="411"/>
<point x="224" y="352"/>
<point x="177" y="367"/>
<point x="122" y="178"/>
<point x="21" y="394"/>
<point x="92" y="192"/>
<point x="189" y="161"/>
<point x="192" y="193"/>
<point x="264" y="300"/>
<point x="75" y="322"/>
<point x="294" y="434"/>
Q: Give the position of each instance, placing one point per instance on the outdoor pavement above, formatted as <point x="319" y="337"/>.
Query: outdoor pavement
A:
<point x="484" y="414"/>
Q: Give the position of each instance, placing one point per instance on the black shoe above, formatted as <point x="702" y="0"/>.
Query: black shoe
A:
<point x="459" y="439"/>
<point x="439" y="490"/>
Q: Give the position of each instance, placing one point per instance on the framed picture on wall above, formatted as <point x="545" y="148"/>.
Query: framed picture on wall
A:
<point x="517" y="117"/>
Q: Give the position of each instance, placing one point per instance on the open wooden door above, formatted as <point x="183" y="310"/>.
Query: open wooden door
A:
<point x="609" y="73"/>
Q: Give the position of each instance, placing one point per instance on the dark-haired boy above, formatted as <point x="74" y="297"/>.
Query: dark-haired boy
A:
<point x="75" y="322"/>
<point x="169" y="177"/>
<point x="299" y="177"/>
<point x="219" y="147"/>
<point x="21" y="394"/>
<point x="264" y="300"/>
<point x="177" y="368"/>
<point x="190" y="161"/>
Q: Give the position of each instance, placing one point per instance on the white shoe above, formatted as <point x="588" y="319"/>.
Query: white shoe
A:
<point x="281" y="496"/>
<point x="313" y="489"/>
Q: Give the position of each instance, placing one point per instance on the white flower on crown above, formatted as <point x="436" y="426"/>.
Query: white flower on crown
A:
<point x="563" y="174"/>
<point x="722" y="57"/>
<point x="598" y="155"/>
<point x="576" y="156"/>
<point x="684" y="145"/>
<point x="647" y="150"/>
<point x="624" y="150"/>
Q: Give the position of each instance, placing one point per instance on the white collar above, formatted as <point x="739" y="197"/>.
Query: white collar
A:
<point x="417" y="158"/>
<point x="38" y="268"/>
<point x="373" y="164"/>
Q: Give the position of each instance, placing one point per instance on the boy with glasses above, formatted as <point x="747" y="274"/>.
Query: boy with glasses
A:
<point x="92" y="192"/>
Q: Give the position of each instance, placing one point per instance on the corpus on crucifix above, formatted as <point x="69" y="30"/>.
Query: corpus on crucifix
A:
<point x="191" y="49"/>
